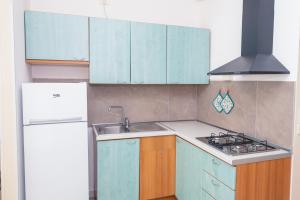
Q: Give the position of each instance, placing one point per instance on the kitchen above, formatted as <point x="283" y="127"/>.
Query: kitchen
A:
<point x="259" y="110"/>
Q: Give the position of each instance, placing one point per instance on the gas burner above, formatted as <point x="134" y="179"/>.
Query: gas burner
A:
<point x="236" y="144"/>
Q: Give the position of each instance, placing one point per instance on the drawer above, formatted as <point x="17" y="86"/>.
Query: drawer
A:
<point x="221" y="170"/>
<point x="217" y="189"/>
<point x="206" y="196"/>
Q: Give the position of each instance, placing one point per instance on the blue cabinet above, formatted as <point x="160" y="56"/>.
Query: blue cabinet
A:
<point x="200" y="176"/>
<point x="118" y="169"/>
<point x="221" y="170"/>
<point x="189" y="173"/>
<point x="56" y="36"/>
<point x="109" y="51"/>
<point x="217" y="189"/>
<point x="188" y="55"/>
<point x="207" y="196"/>
<point x="148" y="53"/>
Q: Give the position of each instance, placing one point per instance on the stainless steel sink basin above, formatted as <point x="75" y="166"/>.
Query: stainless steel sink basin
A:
<point x="102" y="129"/>
<point x="112" y="129"/>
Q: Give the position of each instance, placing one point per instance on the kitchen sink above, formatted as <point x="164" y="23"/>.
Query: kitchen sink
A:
<point x="103" y="129"/>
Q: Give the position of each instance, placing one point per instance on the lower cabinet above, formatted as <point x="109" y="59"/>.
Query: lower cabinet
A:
<point x="207" y="196"/>
<point x="189" y="173"/>
<point x="217" y="189"/>
<point x="157" y="167"/>
<point x="193" y="182"/>
<point x="267" y="180"/>
<point x="118" y="169"/>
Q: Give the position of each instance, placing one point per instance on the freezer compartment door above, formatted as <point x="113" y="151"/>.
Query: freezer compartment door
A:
<point x="54" y="102"/>
<point x="56" y="161"/>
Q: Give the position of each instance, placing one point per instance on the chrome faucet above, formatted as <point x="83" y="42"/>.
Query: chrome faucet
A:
<point x="124" y="120"/>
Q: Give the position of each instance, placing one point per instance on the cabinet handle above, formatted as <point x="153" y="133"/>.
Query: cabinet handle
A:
<point x="215" y="162"/>
<point x="131" y="142"/>
<point x="214" y="183"/>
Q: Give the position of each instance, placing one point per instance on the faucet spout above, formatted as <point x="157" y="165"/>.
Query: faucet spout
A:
<point x="124" y="120"/>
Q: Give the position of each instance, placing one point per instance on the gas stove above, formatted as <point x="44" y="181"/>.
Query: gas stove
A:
<point x="236" y="143"/>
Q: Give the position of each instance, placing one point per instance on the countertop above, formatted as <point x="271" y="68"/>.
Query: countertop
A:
<point x="190" y="130"/>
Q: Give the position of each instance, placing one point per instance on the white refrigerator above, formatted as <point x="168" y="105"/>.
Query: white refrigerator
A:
<point x="55" y="141"/>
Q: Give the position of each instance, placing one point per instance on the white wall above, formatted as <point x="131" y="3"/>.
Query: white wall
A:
<point x="296" y="146"/>
<point x="22" y="74"/>
<point x="9" y="164"/>
<point x="224" y="18"/>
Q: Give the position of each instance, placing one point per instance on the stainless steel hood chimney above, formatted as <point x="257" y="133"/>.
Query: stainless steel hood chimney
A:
<point x="257" y="42"/>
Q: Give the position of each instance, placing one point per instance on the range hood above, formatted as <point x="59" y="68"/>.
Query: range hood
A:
<point x="257" y="42"/>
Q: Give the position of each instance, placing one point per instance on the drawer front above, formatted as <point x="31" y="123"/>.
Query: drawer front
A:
<point x="221" y="170"/>
<point x="217" y="189"/>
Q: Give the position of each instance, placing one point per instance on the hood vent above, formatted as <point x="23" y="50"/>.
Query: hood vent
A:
<point x="257" y="42"/>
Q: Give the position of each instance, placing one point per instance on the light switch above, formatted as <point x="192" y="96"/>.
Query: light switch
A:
<point x="298" y="129"/>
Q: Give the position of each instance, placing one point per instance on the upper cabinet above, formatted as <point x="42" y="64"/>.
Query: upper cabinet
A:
<point x="56" y="37"/>
<point x="148" y="53"/>
<point x="188" y="54"/>
<point x="119" y="52"/>
<point x="109" y="51"/>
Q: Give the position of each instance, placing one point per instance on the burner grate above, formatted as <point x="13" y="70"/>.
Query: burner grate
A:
<point x="236" y="144"/>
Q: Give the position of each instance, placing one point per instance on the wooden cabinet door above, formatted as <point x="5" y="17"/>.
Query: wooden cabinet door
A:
<point x="267" y="180"/>
<point x="148" y="53"/>
<point x="118" y="169"/>
<point x="109" y="51"/>
<point x="157" y="167"/>
<point x="56" y="36"/>
<point x="189" y="171"/>
<point x="188" y="55"/>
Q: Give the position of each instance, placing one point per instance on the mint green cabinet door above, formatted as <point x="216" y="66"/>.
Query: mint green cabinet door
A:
<point x="217" y="189"/>
<point x="207" y="196"/>
<point x="221" y="170"/>
<point x="118" y="169"/>
<point x="109" y="51"/>
<point x="56" y="36"/>
<point x="189" y="173"/>
<point x="188" y="55"/>
<point x="148" y="53"/>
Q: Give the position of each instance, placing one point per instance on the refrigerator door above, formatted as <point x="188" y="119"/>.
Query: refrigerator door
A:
<point x="56" y="161"/>
<point x="54" y="102"/>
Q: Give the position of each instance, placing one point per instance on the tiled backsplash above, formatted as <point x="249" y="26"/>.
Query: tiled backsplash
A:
<point x="142" y="102"/>
<point x="262" y="109"/>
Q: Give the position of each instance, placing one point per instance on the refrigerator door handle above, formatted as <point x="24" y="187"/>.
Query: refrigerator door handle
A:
<point x="54" y="121"/>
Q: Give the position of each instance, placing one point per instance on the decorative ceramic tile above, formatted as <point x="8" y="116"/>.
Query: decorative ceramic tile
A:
<point x="227" y="104"/>
<point x="217" y="102"/>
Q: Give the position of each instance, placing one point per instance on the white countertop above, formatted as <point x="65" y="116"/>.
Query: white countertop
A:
<point x="190" y="130"/>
